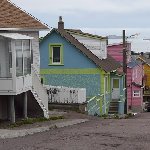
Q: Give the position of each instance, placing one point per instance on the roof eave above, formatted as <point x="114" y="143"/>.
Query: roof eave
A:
<point x="88" y="35"/>
<point x="24" y="29"/>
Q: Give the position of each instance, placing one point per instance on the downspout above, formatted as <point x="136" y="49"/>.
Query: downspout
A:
<point x="104" y="94"/>
<point x="131" y="93"/>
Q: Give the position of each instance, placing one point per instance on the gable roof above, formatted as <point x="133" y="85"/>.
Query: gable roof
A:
<point x="117" y="44"/>
<point x="12" y="16"/>
<point x="79" y="32"/>
<point x="108" y="64"/>
<point x="133" y="63"/>
<point x="144" y="59"/>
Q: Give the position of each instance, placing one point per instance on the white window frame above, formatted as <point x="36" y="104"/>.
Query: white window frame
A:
<point x="60" y="55"/>
<point x="23" y="74"/>
<point x="136" y="93"/>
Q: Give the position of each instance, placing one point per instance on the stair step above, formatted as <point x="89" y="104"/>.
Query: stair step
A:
<point x="113" y="112"/>
<point x="115" y="100"/>
<point x="113" y="107"/>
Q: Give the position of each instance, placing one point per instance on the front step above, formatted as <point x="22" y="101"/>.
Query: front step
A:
<point x="113" y="107"/>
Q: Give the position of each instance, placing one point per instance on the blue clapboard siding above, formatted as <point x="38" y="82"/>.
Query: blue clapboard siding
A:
<point x="73" y="58"/>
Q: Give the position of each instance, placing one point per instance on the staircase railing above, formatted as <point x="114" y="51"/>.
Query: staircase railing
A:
<point x="121" y="105"/>
<point x="96" y="105"/>
<point x="39" y="92"/>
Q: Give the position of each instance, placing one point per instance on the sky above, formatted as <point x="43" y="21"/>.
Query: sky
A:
<point x="102" y="17"/>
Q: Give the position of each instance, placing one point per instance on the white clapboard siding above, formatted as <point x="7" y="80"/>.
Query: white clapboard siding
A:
<point x="96" y="46"/>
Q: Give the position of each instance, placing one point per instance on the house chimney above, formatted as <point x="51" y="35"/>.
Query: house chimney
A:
<point x="142" y="53"/>
<point x="148" y="55"/>
<point x="60" y="24"/>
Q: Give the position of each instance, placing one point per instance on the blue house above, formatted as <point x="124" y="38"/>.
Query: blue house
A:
<point x="72" y="58"/>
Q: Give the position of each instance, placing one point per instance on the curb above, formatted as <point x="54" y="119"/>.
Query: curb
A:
<point x="4" y="133"/>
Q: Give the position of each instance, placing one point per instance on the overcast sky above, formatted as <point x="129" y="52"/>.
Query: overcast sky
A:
<point x="105" y="17"/>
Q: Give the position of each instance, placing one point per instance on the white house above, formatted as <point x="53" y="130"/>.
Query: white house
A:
<point x="21" y="92"/>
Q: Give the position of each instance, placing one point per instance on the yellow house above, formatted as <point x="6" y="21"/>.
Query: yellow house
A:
<point x="146" y="78"/>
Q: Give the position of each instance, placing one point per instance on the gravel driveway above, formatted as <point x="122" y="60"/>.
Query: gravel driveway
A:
<point x="97" y="134"/>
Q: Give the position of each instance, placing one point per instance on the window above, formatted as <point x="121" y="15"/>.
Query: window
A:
<point x="27" y="57"/>
<point x="56" y="54"/>
<point x="19" y="58"/>
<point x="23" y="57"/>
<point x="115" y="83"/>
<point x="136" y="93"/>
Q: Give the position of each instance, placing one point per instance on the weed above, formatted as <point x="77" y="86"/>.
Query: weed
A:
<point x="32" y="121"/>
<point x="56" y="117"/>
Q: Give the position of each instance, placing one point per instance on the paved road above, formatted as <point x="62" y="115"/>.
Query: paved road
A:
<point x="97" y="134"/>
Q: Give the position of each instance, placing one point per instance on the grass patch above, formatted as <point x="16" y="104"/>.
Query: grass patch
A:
<point x="117" y="116"/>
<point x="129" y="115"/>
<point x="56" y="117"/>
<point x="32" y="121"/>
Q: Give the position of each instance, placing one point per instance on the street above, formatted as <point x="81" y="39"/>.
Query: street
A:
<point x="96" y="134"/>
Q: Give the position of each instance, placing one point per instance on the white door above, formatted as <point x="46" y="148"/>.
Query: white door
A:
<point x="115" y="88"/>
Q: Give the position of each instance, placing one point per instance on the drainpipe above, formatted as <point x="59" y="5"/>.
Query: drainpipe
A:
<point x="105" y="94"/>
<point x="131" y="93"/>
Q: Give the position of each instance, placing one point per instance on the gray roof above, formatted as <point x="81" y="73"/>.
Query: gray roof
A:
<point x="133" y="63"/>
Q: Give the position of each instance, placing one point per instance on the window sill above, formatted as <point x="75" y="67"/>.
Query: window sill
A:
<point x="56" y="64"/>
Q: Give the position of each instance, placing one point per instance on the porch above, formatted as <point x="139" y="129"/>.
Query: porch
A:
<point x="15" y="63"/>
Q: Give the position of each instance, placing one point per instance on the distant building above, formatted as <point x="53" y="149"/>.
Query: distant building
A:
<point x="134" y="75"/>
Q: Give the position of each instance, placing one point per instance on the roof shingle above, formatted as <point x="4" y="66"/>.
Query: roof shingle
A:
<point x="108" y="64"/>
<point x="12" y="16"/>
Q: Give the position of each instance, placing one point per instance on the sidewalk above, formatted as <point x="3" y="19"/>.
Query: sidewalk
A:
<point x="13" y="133"/>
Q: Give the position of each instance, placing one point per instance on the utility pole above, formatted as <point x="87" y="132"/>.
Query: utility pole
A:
<point x="125" y="70"/>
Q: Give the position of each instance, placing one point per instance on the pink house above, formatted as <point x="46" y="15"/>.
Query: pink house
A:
<point x="134" y="85"/>
<point x="115" y="50"/>
<point x="134" y="75"/>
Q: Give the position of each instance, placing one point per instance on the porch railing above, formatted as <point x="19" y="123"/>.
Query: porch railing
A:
<point x="121" y="104"/>
<point x="97" y="105"/>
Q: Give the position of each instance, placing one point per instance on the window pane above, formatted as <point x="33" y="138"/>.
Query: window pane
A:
<point x="19" y="58"/>
<point x="56" y="54"/>
<point x="5" y="61"/>
<point x="136" y="93"/>
<point x="115" y="83"/>
<point x="10" y="58"/>
<point x="27" y="57"/>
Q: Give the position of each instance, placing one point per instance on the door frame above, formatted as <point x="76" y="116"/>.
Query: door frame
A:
<point x="112" y="84"/>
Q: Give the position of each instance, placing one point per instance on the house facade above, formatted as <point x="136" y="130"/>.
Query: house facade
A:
<point x="134" y="86"/>
<point x="72" y="58"/>
<point x="134" y="75"/>
<point x="19" y="64"/>
<point x="146" y="77"/>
